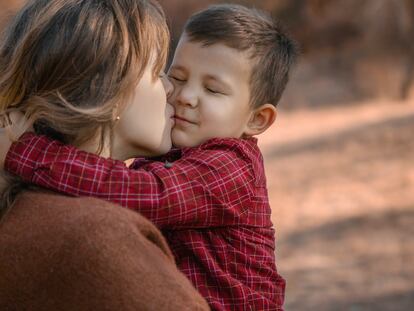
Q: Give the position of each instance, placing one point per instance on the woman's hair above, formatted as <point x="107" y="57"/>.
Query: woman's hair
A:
<point x="68" y="64"/>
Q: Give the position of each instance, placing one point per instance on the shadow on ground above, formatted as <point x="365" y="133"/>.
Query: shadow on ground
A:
<point x="361" y="263"/>
<point x="343" y="206"/>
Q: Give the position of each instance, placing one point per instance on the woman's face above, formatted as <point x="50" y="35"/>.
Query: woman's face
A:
<point x="145" y="123"/>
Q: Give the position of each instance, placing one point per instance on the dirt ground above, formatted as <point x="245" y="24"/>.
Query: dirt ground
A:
<point x="341" y="185"/>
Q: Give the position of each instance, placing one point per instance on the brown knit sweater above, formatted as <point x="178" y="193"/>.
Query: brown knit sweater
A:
<point x="64" y="253"/>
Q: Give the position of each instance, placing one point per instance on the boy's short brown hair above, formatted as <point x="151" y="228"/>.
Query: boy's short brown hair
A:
<point x="271" y="50"/>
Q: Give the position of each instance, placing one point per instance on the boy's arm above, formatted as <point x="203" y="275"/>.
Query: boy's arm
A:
<point x="203" y="190"/>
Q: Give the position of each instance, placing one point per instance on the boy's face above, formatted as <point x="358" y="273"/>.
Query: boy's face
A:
<point x="212" y="92"/>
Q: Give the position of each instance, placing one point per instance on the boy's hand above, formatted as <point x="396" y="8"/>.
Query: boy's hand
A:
<point x="17" y="125"/>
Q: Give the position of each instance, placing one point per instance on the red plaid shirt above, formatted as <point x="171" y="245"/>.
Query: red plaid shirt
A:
<point x="211" y="204"/>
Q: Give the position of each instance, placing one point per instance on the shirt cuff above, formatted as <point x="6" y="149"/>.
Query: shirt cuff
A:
<point x="22" y="157"/>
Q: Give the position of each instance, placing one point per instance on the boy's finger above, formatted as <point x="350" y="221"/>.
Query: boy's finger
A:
<point x="13" y="124"/>
<point x="16" y="118"/>
<point x="18" y="124"/>
<point x="4" y="120"/>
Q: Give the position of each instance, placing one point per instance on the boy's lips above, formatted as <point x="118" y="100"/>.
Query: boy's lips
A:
<point x="181" y="119"/>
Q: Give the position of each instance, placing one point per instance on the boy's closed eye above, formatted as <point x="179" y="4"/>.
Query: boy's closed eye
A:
<point x="217" y="86"/>
<point x="214" y="90"/>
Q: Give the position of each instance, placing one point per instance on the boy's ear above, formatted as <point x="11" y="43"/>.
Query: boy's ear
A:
<point x="262" y="118"/>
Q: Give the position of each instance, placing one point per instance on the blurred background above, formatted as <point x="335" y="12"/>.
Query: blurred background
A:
<point x="340" y="158"/>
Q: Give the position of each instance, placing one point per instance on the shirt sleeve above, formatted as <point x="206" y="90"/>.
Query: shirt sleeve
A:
<point x="205" y="188"/>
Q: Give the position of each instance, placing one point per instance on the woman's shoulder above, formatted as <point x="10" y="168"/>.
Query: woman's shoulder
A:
<point x="48" y="214"/>
<point x="84" y="251"/>
<point x="46" y="199"/>
<point x="46" y="202"/>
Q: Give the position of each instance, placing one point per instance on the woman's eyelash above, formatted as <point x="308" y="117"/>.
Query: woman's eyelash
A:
<point x="177" y="79"/>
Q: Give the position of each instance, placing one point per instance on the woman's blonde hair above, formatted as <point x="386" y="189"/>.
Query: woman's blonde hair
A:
<point x="67" y="64"/>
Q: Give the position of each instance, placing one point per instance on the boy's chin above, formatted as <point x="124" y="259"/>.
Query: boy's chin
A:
<point x="182" y="140"/>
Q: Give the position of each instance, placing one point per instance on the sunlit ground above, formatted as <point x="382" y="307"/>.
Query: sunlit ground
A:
<point x="341" y="184"/>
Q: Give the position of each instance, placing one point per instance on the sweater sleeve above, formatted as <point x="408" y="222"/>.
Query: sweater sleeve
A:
<point x="207" y="187"/>
<point x="63" y="253"/>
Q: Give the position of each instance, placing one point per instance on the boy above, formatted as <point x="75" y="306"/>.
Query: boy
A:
<point x="210" y="198"/>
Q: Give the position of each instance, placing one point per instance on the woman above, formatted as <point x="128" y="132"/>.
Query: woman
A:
<point x="87" y="72"/>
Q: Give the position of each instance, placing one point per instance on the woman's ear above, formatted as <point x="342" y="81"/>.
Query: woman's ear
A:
<point x="262" y="118"/>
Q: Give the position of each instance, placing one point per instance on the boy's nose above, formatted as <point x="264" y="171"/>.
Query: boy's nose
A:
<point x="186" y="96"/>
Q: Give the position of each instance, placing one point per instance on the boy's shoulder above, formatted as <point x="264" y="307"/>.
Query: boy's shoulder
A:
<point x="215" y="154"/>
<point x="229" y="155"/>
<point x="240" y="147"/>
<point x="214" y="148"/>
<point x="229" y="150"/>
<point x="226" y="144"/>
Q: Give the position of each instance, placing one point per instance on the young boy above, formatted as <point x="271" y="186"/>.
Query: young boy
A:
<point x="210" y="198"/>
